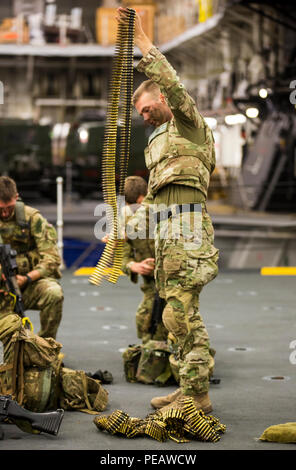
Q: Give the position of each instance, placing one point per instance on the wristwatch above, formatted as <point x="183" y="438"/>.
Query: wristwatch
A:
<point x="29" y="279"/>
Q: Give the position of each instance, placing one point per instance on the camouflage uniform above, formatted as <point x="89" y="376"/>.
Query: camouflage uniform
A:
<point x="35" y="242"/>
<point x="180" y="154"/>
<point x="137" y="250"/>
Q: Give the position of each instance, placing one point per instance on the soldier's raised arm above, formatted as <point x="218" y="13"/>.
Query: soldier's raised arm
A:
<point x="157" y="68"/>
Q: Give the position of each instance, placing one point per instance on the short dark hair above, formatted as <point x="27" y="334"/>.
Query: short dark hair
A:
<point x="148" y="86"/>
<point x="134" y="187"/>
<point x="8" y="189"/>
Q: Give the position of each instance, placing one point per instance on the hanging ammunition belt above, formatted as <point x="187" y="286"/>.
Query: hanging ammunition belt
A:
<point x="109" y="265"/>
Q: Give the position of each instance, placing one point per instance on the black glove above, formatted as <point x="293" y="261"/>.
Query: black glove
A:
<point x="104" y="377"/>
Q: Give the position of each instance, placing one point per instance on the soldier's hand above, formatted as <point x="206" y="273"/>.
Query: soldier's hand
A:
<point x="21" y="280"/>
<point x="3" y="279"/>
<point x="145" y="267"/>
<point x="150" y="262"/>
<point x="141" y="40"/>
<point x="122" y="15"/>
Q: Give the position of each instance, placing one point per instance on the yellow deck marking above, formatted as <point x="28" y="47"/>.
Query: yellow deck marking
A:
<point x="279" y="271"/>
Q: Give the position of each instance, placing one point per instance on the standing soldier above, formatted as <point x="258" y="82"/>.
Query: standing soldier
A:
<point x="181" y="157"/>
<point x="138" y="259"/>
<point x="38" y="259"/>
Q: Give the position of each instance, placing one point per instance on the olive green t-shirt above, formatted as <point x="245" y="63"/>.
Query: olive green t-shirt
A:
<point x="178" y="194"/>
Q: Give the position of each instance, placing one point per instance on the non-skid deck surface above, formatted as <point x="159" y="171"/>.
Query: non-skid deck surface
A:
<point x="252" y="326"/>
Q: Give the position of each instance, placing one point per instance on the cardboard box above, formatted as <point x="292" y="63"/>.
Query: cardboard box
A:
<point x="106" y="23"/>
<point x="12" y="30"/>
<point x="147" y="15"/>
<point x="106" y="26"/>
<point x="168" y="27"/>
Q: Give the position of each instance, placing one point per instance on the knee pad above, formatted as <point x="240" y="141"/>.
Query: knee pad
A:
<point x="174" y="321"/>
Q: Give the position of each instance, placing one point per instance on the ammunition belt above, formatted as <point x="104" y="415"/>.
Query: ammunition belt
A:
<point x="180" y="424"/>
<point x="110" y="262"/>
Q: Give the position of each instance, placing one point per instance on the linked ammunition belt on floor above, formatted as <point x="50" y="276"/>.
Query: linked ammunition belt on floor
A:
<point x="109" y="265"/>
<point x="178" y="424"/>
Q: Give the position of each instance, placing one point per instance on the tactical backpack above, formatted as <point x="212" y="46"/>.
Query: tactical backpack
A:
<point x="31" y="365"/>
<point x="33" y="373"/>
<point x="80" y="392"/>
<point x="148" y="363"/>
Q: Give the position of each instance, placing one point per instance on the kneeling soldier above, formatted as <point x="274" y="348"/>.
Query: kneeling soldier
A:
<point x="38" y="259"/>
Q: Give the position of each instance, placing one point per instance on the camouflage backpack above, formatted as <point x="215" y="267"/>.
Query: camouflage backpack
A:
<point x="154" y="366"/>
<point x="31" y="366"/>
<point x="33" y="375"/>
<point x="80" y="392"/>
<point x="148" y="363"/>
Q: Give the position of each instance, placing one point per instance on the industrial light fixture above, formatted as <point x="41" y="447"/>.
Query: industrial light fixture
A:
<point x="252" y="112"/>
<point x="65" y="130"/>
<point x="45" y="121"/>
<point x="57" y="130"/>
<point x="61" y="130"/>
<point x="263" y="93"/>
<point x="83" y="135"/>
<point x="232" y="119"/>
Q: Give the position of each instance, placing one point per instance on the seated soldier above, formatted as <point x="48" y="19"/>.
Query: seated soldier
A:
<point x="38" y="259"/>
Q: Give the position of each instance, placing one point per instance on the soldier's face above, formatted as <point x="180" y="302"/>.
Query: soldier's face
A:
<point x="154" y="111"/>
<point x="7" y="208"/>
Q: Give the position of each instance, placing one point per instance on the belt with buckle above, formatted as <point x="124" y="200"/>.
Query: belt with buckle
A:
<point x="179" y="209"/>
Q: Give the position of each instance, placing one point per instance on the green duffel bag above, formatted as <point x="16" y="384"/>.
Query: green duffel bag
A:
<point x="284" y="432"/>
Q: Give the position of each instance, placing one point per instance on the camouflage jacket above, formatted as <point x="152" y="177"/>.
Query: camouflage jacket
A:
<point x="35" y="242"/>
<point x="137" y="248"/>
<point x="180" y="151"/>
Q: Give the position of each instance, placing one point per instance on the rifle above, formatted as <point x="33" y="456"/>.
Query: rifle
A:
<point x="9" y="269"/>
<point x="48" y="422"/>
<point x="158" y="306"/>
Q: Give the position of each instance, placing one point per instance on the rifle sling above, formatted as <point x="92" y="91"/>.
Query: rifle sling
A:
<point x="20" y="216"/>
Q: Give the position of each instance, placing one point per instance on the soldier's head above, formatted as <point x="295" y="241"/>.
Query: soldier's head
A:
<point x="151" y="104"/>
<point x="135" y="189"/>
<point x="8" y="197"/>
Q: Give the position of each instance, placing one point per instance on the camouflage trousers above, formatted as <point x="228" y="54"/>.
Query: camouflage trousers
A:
<point x="45" y="295"/>
<point x="144" y="314"/>
<point x="184" y="265"/>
